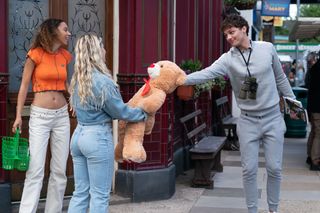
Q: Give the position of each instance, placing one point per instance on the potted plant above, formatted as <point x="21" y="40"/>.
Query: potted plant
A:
<point x="241" y="4"/>
<point x="190" y="65"/>
<point x="187" y="92"/>
<point x="193" y="91"/>
<point x="218" y="82"/>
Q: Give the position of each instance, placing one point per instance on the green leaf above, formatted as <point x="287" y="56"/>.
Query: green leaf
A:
<point x="190" y="65"/>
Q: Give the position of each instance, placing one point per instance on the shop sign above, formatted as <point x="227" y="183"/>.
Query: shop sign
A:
<point x="275" y="8"/>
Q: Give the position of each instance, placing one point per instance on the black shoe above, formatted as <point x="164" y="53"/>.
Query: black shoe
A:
<point x="314" y="167"/>
<point x="309" y="161"/>
<point x="230" y="147"/>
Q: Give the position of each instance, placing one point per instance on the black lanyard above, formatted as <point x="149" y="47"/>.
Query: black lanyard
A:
<point x="245" y="61"/>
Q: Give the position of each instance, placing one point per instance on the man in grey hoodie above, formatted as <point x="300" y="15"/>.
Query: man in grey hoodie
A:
<point x="256" y="76"/>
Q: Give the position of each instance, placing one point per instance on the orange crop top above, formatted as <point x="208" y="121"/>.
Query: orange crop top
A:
<point x="50" y="72"/>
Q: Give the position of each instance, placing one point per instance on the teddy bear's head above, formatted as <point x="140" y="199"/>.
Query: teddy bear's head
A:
<point x="166" y="75"/>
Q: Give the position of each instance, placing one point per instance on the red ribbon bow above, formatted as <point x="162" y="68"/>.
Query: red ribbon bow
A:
<point x="147" y="87"/>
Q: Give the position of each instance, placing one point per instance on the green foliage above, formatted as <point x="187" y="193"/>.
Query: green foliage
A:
<point x="218" y="81"/>
<point x="306" y="10"/>
<point x="281" y="31"/>
<point x="310" y="10"/>
<point x="190" y="66"/>
<point x="240" y="4"/>
<point x="311" y="40"/>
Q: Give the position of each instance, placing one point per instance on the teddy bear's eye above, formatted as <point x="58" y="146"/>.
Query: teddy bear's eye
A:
<point x="161" y="66"/>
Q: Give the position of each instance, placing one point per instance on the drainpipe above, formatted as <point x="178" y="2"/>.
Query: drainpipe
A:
<point x="174" y="30"/>
<point x="115" y="69"/>
<point x="297" y="40"/>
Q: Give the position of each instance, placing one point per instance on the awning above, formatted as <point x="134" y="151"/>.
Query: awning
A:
<point x="305" y="1"/>
<point x="305" y="27"/>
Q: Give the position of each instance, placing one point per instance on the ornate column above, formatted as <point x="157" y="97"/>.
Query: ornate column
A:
<point x="5" y="187"/>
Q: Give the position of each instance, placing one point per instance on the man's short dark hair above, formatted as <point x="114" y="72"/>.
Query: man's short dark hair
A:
<point x="234" y="20"/>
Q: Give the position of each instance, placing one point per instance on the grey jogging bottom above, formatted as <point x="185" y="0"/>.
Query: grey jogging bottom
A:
<point x="267" y="128"/>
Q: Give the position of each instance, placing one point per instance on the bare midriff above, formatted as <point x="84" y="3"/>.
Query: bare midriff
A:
<point x="49" y="99"/>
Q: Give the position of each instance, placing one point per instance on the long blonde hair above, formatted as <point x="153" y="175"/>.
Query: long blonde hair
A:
<point x="88" y="51"/>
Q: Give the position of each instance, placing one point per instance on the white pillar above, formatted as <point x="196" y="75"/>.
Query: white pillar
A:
<point x="115" y="70"/>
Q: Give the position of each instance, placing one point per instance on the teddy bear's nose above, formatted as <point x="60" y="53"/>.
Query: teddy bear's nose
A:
<point x="154" y="70"/>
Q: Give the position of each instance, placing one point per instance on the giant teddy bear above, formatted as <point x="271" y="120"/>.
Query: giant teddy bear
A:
<point x="165" y="77"/>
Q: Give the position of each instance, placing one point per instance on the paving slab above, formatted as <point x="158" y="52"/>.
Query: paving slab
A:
<point x="300" y="189"/>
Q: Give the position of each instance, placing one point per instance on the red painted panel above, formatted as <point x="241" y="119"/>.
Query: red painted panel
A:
<point x="217" y="36"/>
<point x="198" y="33"/>
<point x="182" y="29"/>
<point x="185" y="30"/>
<point x="193" y="29"/>
<point x="202" y="42"/>
<point x="149" y="33"/>
<point x="166" y="29"/>
<point x="3" y="78"/>
<point x="127" y="36"/>
<point x="206" y="32"/>
<point x="145" y="30"/>
<point x="3" y="37"/>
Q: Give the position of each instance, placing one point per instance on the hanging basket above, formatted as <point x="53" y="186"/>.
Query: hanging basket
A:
<point x="185" y="93"/>
<point x="245" y="6"/>
<point x="240" y="4"/>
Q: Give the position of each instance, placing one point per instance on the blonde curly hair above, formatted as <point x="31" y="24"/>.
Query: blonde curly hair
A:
<point x="89" y="56"/>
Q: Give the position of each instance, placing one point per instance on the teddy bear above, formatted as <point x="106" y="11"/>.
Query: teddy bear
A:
<point x="164" y="78"/>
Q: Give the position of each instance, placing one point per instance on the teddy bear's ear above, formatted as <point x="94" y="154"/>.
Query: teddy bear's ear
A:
<point x="181" y="79"/>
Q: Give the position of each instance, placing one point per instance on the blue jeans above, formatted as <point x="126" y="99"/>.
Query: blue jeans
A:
<point x="93" y="156"/>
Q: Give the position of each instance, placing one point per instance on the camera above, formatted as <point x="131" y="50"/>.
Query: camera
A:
<point x="249" y="88"/>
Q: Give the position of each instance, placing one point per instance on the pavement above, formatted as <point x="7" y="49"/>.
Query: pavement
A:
<point x="300" y="191"/>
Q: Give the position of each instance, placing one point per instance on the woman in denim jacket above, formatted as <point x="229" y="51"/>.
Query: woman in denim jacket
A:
<point x="96" y="101"/>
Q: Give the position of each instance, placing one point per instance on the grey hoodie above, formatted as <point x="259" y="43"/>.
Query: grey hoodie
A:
<point x="264" y="65"/>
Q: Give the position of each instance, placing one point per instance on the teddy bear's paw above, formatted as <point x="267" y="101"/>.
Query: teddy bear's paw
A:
<point x="119" y="160"/>
<point x="135" y="159"/>
<point x="137" y="156"/>
<point x="148" y="132"/>
<point x="118" y="153"/>
<point x="118" y="157"/>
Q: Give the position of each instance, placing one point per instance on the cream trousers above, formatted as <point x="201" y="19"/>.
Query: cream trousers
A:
<point x="46" y="124"/>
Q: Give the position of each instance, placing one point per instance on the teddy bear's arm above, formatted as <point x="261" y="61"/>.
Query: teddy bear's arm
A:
<point x="153" y="102"/>
<point x="117" y="109"/>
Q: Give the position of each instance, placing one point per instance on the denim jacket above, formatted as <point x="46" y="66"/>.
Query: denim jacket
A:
<point x="105" y="105"/>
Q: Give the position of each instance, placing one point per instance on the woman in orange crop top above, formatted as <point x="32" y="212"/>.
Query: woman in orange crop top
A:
<point x="46" y="67"/>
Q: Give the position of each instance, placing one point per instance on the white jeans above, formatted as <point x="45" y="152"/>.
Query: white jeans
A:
<point x="45" y="124"/>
